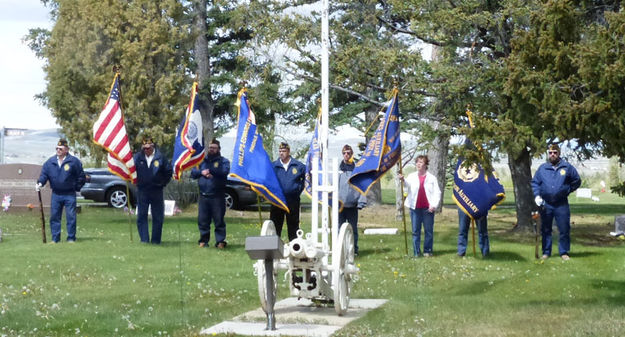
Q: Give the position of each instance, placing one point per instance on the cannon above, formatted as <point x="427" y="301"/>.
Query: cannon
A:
<point x="319" y="264"/>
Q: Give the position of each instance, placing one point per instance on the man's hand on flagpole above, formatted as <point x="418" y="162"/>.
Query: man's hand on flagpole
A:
<point x="38" y="187"/>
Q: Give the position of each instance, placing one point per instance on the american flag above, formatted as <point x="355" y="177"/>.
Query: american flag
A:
<point x="109" y="132"/>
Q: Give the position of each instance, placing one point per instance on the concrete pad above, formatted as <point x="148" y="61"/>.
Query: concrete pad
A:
<point x="295" y="318"/>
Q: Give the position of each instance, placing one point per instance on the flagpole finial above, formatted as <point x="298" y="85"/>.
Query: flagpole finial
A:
<point x="117" y="68"/>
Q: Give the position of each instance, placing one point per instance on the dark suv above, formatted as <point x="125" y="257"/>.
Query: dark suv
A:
<point x="104" y="186"/>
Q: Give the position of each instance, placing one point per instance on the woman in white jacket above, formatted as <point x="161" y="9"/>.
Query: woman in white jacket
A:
<point x="422" y="199"/>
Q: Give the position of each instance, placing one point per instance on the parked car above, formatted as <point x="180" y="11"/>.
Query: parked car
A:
<point x="239" y="194"/>
<point x="104" y="186"/>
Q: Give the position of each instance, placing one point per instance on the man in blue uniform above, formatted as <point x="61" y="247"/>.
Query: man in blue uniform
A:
<point x="212" y="176"/>
<point x="66" y="177"/>
<point x="290" y="173"/>
<point x="352" y="199"/>
<point x="153" y="174"/>
<point x="552" y="184"/>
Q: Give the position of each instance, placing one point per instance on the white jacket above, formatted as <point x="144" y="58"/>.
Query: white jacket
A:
<point x="432" y="192"/>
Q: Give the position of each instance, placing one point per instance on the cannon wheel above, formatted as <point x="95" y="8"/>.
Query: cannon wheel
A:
<point x="342" y="281"/>
<point x="267" y="229"/>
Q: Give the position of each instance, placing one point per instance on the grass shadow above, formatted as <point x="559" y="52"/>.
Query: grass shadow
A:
<point x="505" y="256"/>
<point x="612" y="289"/>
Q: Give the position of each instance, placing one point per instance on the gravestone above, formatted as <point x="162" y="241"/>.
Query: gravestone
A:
<point x="619" y="224"/>
<point x="18" y="181"/>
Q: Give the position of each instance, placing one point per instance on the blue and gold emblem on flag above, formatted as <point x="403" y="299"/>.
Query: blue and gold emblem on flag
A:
<point x="476" y="191"/>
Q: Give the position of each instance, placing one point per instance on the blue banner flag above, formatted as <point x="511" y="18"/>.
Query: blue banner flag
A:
<point x="250" y="162"/>
<point x="382" y="152"/>
<point x="189" y="142"/>
<point x="476" y="191"/>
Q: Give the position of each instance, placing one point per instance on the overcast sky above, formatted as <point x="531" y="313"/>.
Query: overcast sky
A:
<point x="21" y="70"/>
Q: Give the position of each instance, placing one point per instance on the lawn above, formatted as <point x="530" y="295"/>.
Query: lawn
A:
<point x="106" y="285"/>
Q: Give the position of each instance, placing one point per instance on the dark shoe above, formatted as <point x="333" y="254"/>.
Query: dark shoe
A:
<point x="461" y="254"/>
<point x="221" y="245"/>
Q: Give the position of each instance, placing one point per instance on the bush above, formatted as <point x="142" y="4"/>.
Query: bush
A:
<point x="183" y="191"/>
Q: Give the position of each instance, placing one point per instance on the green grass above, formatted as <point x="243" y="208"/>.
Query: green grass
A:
<point x="104" y="285"/>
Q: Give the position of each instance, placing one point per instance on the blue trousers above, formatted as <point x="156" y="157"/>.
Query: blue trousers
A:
<point x="146" y="198"/>
<point x="57" y="203"/>
<point x="421" y="216"/>
<point x="350" y="214"/>
<point x="562" y="215"/>
<point x="464" y="222"/>
<point x="211" y="208"/>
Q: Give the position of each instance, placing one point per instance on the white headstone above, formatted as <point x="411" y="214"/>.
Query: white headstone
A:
<point x="584" y="193"/>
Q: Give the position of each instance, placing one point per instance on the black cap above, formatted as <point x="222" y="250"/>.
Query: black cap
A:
<point x="284" y="145"/>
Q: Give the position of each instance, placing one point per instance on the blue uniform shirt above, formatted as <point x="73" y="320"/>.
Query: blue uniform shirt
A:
<point x="219" y="168"/>
<point x="157" y="175"/>
<point x="66" y="179"/>
<point x="292" y="179"/>
<point x="555" y="183"/>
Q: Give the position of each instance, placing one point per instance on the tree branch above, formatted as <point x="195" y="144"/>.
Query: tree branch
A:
<point x="409" y="32"/>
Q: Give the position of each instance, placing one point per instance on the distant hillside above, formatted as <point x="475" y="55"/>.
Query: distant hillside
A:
<point x="34" y="147"/>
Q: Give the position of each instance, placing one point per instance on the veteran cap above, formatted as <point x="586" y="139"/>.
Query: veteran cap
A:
<point x="147" y="140"/>
<point x="284" y="146"/>
<point x="62" y="142"/>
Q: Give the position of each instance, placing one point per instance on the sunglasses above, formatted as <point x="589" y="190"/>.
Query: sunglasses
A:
<point x="347" y="153"/>
<point x="552" y="152"/>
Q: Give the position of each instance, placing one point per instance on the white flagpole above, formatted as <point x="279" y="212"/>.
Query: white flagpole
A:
<point x="325" y="104"/>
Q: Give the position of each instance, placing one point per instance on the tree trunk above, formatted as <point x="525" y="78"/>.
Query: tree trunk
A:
<point x="437" y="155"/>
<point x="437" y="152"/>
<point x="399" y="198"/>
<point x="520" y="169"/>
<point x="206" y="103"/>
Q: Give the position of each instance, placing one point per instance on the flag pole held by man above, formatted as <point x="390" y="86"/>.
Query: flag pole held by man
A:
<point x="382" y="151"/>
<point x="189" y="143"/>
<point x="475" y="192"/>
<point x="250" y="163"/>
<point x="109" y="131"/>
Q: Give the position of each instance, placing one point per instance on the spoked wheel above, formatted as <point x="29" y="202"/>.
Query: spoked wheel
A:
<point x="343" y="265"/>
<point x="267" y="229"/>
